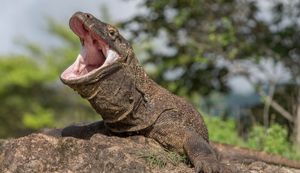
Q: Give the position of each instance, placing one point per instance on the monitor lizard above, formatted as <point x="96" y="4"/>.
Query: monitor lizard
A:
<point x="107" y="73"/>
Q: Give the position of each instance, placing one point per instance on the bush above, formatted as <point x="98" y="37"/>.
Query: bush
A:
<point x="223" y="131"/>
<point x="273" y="140"/>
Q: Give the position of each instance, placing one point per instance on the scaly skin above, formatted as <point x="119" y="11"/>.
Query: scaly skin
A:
<point x="130" y="102"/>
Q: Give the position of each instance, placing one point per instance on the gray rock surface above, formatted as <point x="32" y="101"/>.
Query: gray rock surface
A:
<point x="101" y="154"/>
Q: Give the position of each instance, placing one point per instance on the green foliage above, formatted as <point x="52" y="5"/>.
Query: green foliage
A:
<point x="20" y="86"/>
<point x="32" y="96"/>
<point x="40" y="118"/>
<point x="273" y="140"/>
<point x="223" y="131"/>
<point x="20" y="71"/>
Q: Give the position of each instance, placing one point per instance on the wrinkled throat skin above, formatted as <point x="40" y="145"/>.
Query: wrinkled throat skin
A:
<point x="108" y="75"/>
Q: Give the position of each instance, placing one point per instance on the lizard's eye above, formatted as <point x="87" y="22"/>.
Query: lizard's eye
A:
<point x="113" y="33"/>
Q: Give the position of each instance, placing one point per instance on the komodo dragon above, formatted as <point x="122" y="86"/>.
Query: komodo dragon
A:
<point x="108" y="74"/>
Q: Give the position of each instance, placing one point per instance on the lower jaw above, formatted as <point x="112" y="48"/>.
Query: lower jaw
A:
<point x="93" y="76"/>
<point x="102" y="79"/>
<point x="80" y="71"/>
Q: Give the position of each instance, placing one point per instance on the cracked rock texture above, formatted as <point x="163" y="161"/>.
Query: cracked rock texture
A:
<point x="101" y="154"/>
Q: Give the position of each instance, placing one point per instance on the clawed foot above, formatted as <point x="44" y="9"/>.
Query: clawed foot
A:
<point x="211" y="166"/>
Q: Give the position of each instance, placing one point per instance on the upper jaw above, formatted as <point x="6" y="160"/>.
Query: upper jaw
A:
<point x="80" y="23"/>
<point x="95" y="54"/>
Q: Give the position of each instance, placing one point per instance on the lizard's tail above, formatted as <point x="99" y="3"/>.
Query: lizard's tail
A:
<point x="238" y="153"/>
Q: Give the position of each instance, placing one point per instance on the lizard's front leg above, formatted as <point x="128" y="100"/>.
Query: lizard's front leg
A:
<point x="201" y="154"/>
<point x="185" y="140"/>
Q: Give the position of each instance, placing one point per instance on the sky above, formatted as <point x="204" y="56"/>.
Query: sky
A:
<point x="25" y="20"/>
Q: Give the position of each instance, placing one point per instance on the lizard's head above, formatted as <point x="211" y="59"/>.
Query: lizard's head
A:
<point x="102" y="47"/>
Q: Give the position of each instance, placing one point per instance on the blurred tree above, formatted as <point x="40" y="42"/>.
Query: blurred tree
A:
<point x="32" y="96"/>
<point x="192" y="43"/>
<point x="285" y="27"/>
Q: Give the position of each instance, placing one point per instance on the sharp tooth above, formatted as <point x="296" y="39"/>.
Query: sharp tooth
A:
<point x="77" y="63"/>
<point x="111" y="55"/>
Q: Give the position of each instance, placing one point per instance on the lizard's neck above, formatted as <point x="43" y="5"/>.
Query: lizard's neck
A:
<point x="124" y="97"/>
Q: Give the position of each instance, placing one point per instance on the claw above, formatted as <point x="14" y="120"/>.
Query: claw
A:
<point x="212" y="166"/>
<point x="207" y="167"/>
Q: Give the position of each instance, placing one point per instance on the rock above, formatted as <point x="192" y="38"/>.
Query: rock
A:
<point x="42" y="153"/>
<point x="101" y="154"/>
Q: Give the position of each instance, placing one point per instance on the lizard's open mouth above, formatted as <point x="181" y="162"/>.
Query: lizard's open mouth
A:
<point x="95" y="53"/>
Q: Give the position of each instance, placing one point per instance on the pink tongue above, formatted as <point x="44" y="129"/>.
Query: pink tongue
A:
<point x="80" y="67"/>
<point x="89" y="58"/>
<point x="91" y="53"/>
<point x="92" y="58"/>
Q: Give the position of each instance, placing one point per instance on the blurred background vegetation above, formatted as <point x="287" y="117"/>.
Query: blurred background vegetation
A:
<point x="240" y="69"/>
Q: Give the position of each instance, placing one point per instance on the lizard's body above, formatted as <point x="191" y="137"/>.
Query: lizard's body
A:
<point x="108" y="74"/>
